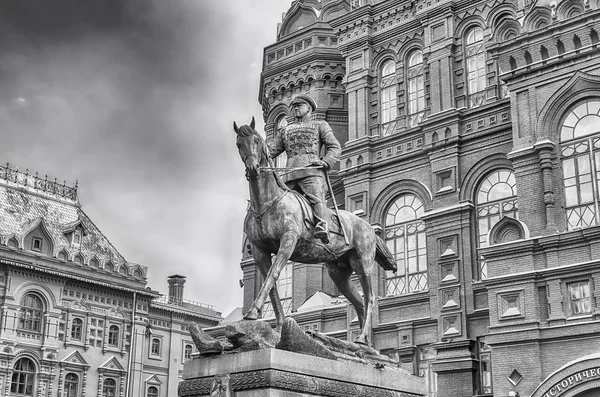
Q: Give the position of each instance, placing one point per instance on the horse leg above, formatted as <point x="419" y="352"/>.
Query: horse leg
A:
<point x="287" y="245"/>
<point x="362" y="263"/>
<point x="341" y="277"/>
<point x="262" y="260"/>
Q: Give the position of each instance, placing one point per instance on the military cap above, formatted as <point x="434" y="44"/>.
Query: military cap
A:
<point x="301" y="98"/>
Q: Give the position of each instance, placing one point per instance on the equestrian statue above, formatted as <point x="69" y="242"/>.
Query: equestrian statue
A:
<point x="288" y="216"/>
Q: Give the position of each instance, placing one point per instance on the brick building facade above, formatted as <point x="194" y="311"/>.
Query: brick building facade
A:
<point x="76" y="318"/>
<point x="471" y="142"/>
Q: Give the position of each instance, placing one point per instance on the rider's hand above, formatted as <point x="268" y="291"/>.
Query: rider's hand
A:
<point x="322" y="164"/>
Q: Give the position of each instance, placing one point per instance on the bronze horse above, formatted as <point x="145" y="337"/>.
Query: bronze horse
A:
<point x="275" y="224"/>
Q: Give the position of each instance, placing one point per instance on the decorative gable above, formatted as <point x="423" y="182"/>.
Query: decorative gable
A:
<point x="153" y="380"/>
<point x="75" y="358"/>
<point x="112" y="366"/>
<point x="74" y="232"/>
<point x="74" y="361"/>
<point x="36" y="237"/>
<point x="506" y="230"/>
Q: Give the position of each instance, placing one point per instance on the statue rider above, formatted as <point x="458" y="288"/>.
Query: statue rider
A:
<point x="303" y="141"/>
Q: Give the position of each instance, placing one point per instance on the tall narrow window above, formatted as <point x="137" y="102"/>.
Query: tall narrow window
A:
<point x="389" y="97"/>
<point x="155" y="347"/>
<point x="496" y="197"/>
<point x="71" y="385"/>
<point x="281" y="160"/>
<point x="23" y="377"/>
<point x="187" y="352"/>
<point x="152" y="391"/>
<point x="284" y="288"/>
<point x="76" y="329"/>
<point x="416" y="88"/>
<point x="579" y="298"/>
<point x="113" y="335"/>
<point x="580" y="158"/>
<point x="30" y="318"/>
<point x="109" y="388"/>
<point x="405" y="237"/>
<point x="485" y="366"/>
<point x="475" y="60"/>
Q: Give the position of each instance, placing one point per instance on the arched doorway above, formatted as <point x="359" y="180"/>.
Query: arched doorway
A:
<point x="579" y="378"/>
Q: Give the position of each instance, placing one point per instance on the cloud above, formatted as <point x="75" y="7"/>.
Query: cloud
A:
<point x="135" y="99"/>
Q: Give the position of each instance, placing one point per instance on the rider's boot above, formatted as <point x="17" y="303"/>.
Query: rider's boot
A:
<point x="321" y="231"/>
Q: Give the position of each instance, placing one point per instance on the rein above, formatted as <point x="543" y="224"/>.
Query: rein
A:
<point x="288" y="169"/>
<point x="258" y="215"/>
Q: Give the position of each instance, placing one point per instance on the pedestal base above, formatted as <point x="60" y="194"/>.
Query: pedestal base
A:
<point x="279" y="373"/>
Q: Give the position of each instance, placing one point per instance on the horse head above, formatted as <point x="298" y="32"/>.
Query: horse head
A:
<point x="252" y="148"/>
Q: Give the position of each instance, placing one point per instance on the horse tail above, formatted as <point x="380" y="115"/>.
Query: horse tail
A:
<point x="384" y="257"/>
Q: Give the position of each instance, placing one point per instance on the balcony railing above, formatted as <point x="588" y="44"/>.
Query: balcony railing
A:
<point x="188" y="304"/>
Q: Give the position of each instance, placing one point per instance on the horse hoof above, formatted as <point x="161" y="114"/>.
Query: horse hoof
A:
<point x="251" y="315"/>
<point x="361" y="340"/>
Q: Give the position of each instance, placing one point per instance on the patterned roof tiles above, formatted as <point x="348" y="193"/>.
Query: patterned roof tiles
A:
<point x="20" y="210"/>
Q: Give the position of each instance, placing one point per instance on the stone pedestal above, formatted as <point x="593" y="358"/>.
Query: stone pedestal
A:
<point x="279" y="373"/>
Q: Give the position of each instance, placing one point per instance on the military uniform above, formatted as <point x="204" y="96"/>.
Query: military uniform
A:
<point x="303" y="143"/>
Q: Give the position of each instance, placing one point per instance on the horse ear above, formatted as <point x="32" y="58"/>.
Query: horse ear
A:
<point x="252" y="123"/>
<point x="235" y="127"/>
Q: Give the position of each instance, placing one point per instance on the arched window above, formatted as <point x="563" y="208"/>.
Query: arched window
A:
<point x="30" y="318"/>
<point x="496" y="197"/>
<point x="152" y="391"/>
<point x="155" y="347"/>
<point x="113" y="335"/>
<point x="416" y="88"/>
<point x="187" y="352"/>
<point x="475" y="61"/>
<point x="405" y="237"/>
<point x="281" y="160"/>
<point x="76" y="329"/>
<point x="580" y="159"/>
<point x="71" y="385"/>
<point x="109" y="388"/>
<point x="389" y="97"/>
<point x="23" y="377"/>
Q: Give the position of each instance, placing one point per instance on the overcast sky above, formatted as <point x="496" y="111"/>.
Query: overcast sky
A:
<point x="136" y="99"/>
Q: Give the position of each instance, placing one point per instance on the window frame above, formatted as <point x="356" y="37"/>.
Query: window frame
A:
<point x="483" y="205"/>
<point x="415" y="87"/>
<point x="105" y="387"/>
<point x="281" y="160"/>
<point x="475" y="66"/>
<point x="154" y="394"/>
<point x="419" y="253"/>
<point x="74" y="329"/>
<point x="388" y="96"/>
<point x="27" y="314"/>
<point x="23" y="378"/>
<point x="155" y="346"/>
<point x="37" y="239"/>
<point x="113" y="336"/>
<point x="580" y="282"/>
<point x="580" y="165"/>
<point x="187" y="356"/>
<point x="66" y="391"/>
